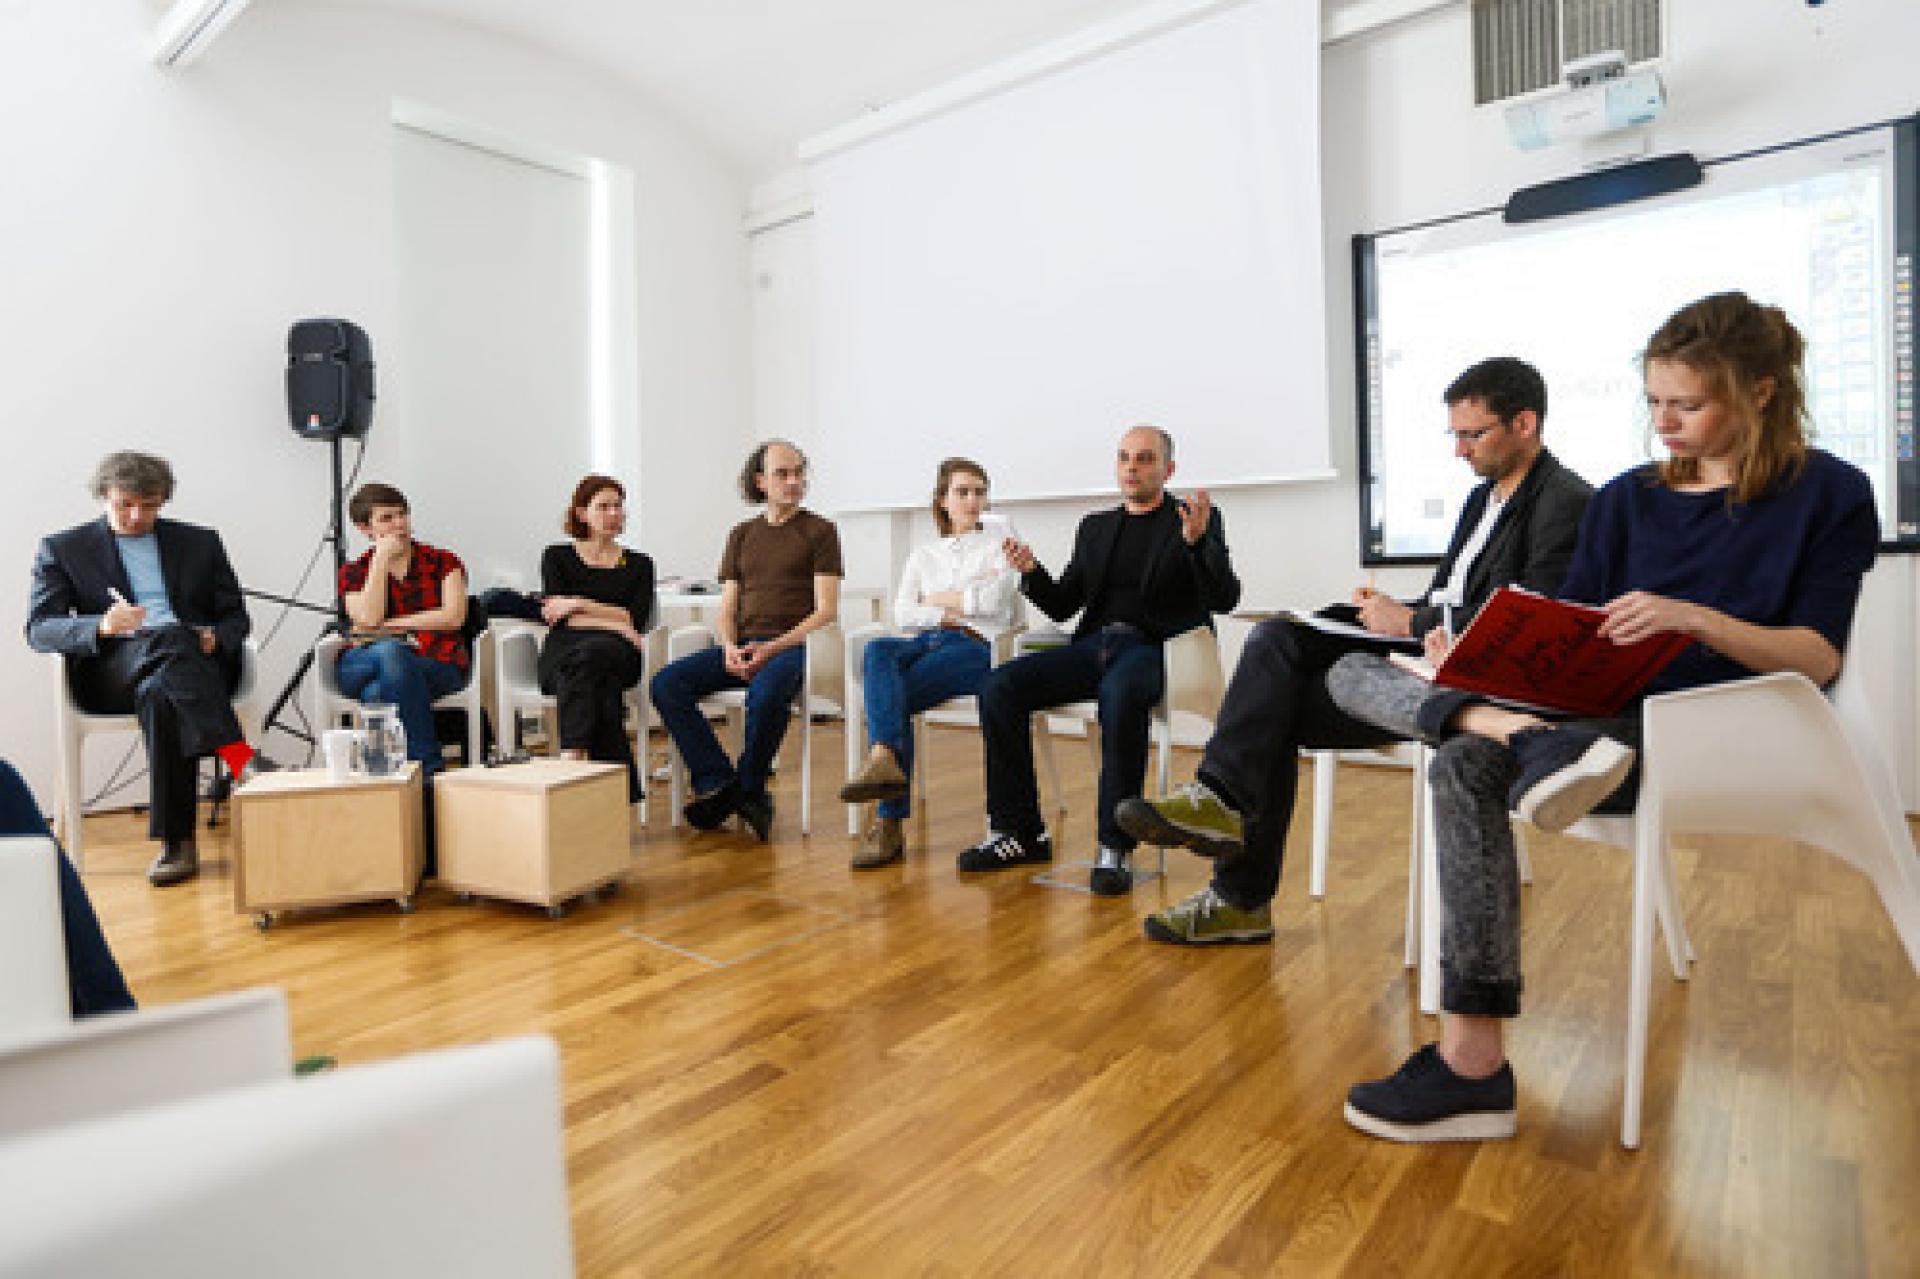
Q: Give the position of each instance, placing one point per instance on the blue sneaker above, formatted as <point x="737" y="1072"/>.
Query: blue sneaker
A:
<point x="1425" y="1101"/>
<point x="1565" y="771"/>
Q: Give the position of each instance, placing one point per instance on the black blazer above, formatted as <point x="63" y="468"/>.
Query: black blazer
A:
<point x="72" y="571"/>
<point x="1183" y="586"/>
<point x="1531" y="545"/>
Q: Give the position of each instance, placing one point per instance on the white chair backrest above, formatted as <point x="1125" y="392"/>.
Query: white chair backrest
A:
<point x="447" y="1163"/>
<point x="33" y="957"/>
<point x="124" y="1061"/>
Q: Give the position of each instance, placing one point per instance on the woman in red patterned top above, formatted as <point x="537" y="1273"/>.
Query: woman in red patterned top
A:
<point x="407" y="601"/>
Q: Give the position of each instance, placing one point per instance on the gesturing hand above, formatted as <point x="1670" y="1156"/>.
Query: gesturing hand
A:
<point x="1194" y="514"/>
<point x="1020" y="555"/>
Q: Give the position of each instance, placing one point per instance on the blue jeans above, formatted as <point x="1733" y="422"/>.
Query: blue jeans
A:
<point x="903" y="677"/>
<point x="1125" y="670"/>
<point x="394" y="671"/>
<point x="94" y="982"/>
<point x="677" y="689"/>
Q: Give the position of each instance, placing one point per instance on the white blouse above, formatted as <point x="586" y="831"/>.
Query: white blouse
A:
<point x="975" y="565"/>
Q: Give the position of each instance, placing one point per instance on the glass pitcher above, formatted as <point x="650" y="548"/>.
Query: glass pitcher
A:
<point x="383" y="739"/>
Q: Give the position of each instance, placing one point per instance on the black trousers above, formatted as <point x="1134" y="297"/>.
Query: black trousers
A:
<point x="589" y="672"/>
<point x="1276" y="703"/>
<point x="184" y="699"/>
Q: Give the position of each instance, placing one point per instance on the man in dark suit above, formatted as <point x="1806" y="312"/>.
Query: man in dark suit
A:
<point x="150" y="618"/>
<point x="1518" y="527"/>
<point x="1140" y="573"/>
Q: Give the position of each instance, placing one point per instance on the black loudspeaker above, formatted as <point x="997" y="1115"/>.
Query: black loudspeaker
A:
<point x="329" y="379"/>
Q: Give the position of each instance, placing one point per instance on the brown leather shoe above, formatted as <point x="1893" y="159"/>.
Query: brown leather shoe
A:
<point x="884" y="843"/>
<point x="179" y="861"/>
<point x="879" y="778"/>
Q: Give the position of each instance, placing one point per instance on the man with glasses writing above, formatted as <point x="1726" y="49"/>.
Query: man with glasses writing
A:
<point x="1517" y="528"/>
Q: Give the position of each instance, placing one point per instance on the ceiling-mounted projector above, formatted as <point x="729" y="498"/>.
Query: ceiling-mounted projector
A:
<point x="1601" y="97"/>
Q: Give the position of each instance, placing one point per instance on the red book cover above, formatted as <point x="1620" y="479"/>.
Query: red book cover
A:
<point x="1526" y="648"/>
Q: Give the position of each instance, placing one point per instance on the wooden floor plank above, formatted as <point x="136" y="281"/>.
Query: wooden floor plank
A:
<point x="774" y="1064"/>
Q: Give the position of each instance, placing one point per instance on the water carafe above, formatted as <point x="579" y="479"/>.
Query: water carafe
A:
<point x="383" y="739"/>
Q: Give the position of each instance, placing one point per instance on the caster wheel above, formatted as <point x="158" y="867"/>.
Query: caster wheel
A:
<point x="465" y="899"/>
<point x="404" y="905"/>
<point x="610" y="890"/>
<point x="556" y="912"/>
<point x="263" y="921"/>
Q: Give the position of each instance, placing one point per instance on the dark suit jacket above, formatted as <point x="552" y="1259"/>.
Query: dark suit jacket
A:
<point x="1183" y="586"/>
<point x="72" y="571"/>
<point x="1531" y="545"/>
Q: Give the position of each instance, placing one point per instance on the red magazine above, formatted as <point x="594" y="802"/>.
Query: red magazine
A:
<point x="1526" y="648"/>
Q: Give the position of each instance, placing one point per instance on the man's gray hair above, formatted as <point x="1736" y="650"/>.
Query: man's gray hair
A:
<point x="140" y="474"/>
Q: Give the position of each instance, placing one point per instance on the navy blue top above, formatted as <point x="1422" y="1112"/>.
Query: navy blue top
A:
<point x="1794" y="557"/>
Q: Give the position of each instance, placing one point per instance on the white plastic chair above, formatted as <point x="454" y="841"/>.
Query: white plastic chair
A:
<point x="1195" y="685"/>
<point x="331" y="706"/>
<point x="822" y="689"/>
<point x="448" y="1162"/>
<point x="857" y="738"/>
<point x="74" y="725"/>
<point x="33" y="957"/>
<point x="1766" y="756"/>
<point x="117" y="1062"/>
<point x="516" y="676"/>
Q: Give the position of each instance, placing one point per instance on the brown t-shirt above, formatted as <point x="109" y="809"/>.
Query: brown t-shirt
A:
<point x="775" y="565"/>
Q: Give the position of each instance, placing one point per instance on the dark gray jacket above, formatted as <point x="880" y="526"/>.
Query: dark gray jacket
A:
<point x="73" y="570"/>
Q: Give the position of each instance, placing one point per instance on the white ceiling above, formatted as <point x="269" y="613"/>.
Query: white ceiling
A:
<point x="754" y="77"/>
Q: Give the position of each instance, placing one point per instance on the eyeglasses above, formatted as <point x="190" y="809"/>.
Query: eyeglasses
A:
<point x="1471" y="438"/>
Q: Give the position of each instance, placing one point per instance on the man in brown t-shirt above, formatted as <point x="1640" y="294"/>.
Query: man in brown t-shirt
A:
<point x="779" y="582"/>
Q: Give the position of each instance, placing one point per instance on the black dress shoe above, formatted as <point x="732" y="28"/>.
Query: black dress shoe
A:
<point x="756" y="810"/>
<point x="710" y="812"/>
<point x="179" y="861"/>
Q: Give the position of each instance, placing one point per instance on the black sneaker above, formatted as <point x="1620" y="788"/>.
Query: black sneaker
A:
<point x="710" y="811"/>
<point x="1001" y="852"/>
<point x="1110" y="878"/>
<point x="1565" y="770"/>
<point x="1425" y="1101"/>
<point x="756" y="812"/>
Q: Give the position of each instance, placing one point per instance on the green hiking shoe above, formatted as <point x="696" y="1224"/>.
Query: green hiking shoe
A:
<point x="1193" y="817"/>
<point x="1205" y="919"/>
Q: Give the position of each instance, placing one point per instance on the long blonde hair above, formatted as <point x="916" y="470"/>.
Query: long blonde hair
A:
<point x="1737" y="344"/>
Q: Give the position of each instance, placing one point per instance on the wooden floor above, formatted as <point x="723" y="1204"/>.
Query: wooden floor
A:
<point x="775" y="1065"/>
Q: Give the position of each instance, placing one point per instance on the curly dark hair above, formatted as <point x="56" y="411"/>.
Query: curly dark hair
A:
<point x="756" y="465"/>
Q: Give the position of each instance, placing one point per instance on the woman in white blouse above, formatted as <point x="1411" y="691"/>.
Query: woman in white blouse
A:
<point x="955" y="596"/>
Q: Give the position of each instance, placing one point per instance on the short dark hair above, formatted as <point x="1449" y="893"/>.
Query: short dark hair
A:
<point x="141" y="474"/>
<point x="1506" y="385"/>
<point x="1166" y="438"/>
<point x="371" y="494"/>
<point x="750" y="487"/>
<point x="589" y="487"/>
<point x="943" y="479"/>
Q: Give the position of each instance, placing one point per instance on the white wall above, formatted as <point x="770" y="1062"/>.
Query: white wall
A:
<point x="160" y="230"/>
<point x="1402" y="142"/>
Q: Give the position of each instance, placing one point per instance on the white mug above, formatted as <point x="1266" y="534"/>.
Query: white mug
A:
<point x="338" y="745"/>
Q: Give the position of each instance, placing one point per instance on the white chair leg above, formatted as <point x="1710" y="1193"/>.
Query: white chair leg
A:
<point x="919" y="778"/>
<point x="676" y="784"/>
<point x="857" y="746"/>
<point x="476" y="732"/>
<point x="806" y="764"/>
<point x="1164" y="730"/>
<point x="1324" y="762"/>
<point x="1520" y="853"/>
<point x="1647" y="848"/>
<point x="1416" y="840"/>
<point x="1666" y="906"/>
